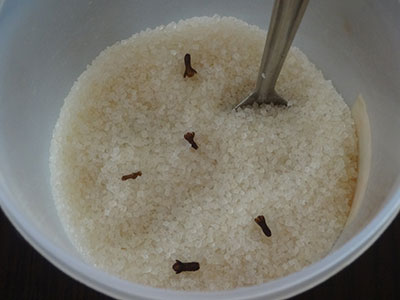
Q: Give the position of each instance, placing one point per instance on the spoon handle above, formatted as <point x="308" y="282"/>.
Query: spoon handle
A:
<point x="285" y="19"/>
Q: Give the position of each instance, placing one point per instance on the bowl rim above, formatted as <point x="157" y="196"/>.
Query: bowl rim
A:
<point x="284" y="287"/>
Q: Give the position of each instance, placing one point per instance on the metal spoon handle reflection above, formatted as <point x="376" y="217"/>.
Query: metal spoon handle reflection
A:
<point x="285" y="20"/>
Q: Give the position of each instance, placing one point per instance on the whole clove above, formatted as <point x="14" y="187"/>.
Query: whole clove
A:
<point x="189" y="71"/>
<point x="260" y="220"/>
<point x="185" y="267"/>
<point x="131" y="176"/>
<point x="189" y="136"/>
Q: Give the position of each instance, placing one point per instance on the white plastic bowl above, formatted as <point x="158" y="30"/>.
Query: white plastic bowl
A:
<point x="45" y="45"/>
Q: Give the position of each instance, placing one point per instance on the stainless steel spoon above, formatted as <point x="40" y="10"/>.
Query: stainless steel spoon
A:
<point x="285" y="19"/>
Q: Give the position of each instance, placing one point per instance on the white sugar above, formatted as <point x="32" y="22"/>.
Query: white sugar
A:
<point x="128" y="112"/>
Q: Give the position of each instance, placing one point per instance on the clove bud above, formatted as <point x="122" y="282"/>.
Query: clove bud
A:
<point x="260" y="220"/>
<point x="131" y="176"/>
<point x="189" y="136"/>
<point x="185" y="267"/>
<point x="189" y="71"/>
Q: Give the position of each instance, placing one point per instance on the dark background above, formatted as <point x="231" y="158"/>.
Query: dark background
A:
<point x="25" y="274"/>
